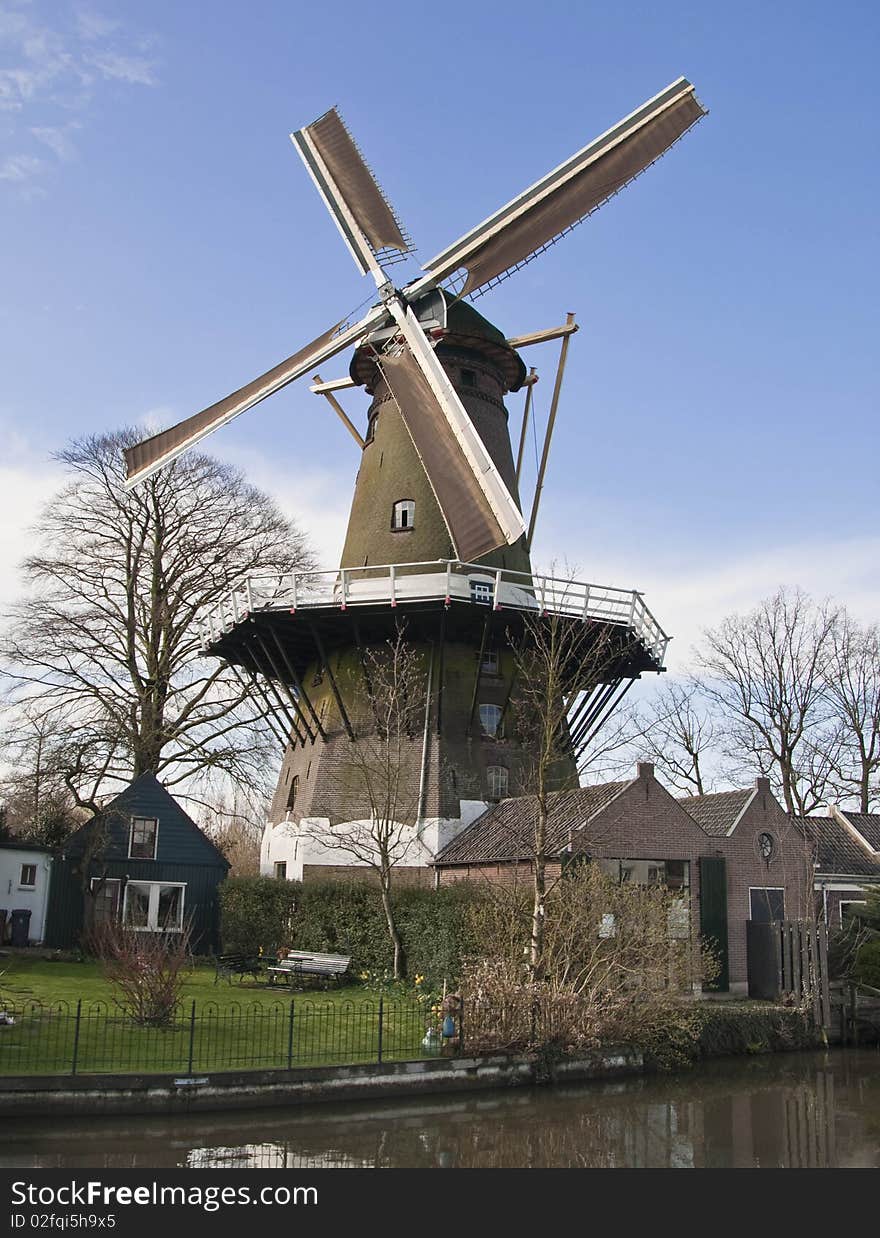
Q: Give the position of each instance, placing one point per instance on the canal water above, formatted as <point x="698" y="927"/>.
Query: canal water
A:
<point x="785" y="1110"/>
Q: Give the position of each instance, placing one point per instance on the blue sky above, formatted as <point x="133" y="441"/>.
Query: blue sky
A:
<point x="160" y="244"/>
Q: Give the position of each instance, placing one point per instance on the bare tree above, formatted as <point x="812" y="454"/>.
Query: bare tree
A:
<point x="38" y="803"/>
<point x="234" y="822"/>
<point x="378" y="790"/>
<point x="852" y="746"/>
<point x="556" y="660"/>
<point x="106" y="640"/>
<point x="677" y="732"/>
<point x="766" y="674"/>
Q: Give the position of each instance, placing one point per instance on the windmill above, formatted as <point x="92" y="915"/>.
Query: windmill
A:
<point x="436" y="531"/>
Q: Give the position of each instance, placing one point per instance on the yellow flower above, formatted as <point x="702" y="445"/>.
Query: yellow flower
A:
<point x="419" y="979"/>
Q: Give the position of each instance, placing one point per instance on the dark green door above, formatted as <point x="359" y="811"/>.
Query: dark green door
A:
<point x="713" y="913"/>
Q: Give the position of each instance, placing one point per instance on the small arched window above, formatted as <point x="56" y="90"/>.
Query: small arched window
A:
<point x="490" y="720"/>
<point x="292" y="791"/>
<point x="403" y="514"/>
<point x="497" y="782"/>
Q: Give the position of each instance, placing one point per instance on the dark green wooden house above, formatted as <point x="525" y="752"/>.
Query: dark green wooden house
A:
<point x="143" y="861"/>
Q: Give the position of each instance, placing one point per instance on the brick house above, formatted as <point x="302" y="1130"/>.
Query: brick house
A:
<point x="736" y="855"/>
<point x="847" y="846"/>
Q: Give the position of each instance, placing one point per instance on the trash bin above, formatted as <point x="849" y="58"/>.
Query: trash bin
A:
<point x="2" y="925"/>
<point x="21" y="922"/>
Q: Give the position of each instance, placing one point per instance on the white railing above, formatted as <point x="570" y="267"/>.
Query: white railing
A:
<point x="444" y="580"/>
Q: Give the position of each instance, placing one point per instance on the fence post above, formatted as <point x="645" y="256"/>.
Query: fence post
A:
<point x="381" y="1014"/>
<point x="290" y="1035"/>
<point x="192" y="1035"/>
<point x="76" y="1036"/>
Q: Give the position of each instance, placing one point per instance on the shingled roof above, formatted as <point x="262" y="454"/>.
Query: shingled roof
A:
<point x="868" y="825"/>
<point x="505" y="833"/>
<point x="717" y="814"/>
<point x="837" y="852"/>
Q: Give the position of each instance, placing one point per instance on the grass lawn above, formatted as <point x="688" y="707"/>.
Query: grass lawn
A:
<point x="237" y="1026"/>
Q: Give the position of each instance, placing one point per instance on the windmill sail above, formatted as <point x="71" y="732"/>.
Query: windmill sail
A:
<point x="349" y="189"/>
<point x="546" y="210"/>
<point x="472" y="524"/>
<point x="146" y="457"/>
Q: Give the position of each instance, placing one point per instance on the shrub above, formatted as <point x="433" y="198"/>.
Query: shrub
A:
<point x="147" y="970"/>
<point x="256" y="913"/>
<point x="346" y="918"/>
<point x="867" y="965"/>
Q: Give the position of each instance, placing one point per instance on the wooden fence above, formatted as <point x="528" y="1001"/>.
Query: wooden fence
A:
<point x="790" y="957"/>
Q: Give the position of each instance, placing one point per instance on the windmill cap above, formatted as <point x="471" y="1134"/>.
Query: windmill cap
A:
<point x="465" y="328"/>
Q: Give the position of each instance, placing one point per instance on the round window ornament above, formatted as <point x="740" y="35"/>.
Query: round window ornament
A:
<point x="766" y="845"/>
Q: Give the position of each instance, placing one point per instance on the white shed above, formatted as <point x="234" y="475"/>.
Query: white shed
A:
<point x="25" y="872"/>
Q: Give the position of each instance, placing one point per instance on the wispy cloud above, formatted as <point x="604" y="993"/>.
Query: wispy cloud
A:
<point x="137" y="70"/>
<point x="20" y="168"/>
<point x="58" y="138"/>
<point x="56" y="64"/>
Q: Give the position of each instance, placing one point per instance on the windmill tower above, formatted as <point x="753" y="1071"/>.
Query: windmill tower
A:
<point x="436" y="542"/>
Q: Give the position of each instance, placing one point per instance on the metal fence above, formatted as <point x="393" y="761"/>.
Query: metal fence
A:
<point x="101" y="1038"/>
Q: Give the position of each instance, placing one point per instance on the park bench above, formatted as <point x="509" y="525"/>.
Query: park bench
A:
<point x="240" y="965"/>
<point x="300" y="963"/>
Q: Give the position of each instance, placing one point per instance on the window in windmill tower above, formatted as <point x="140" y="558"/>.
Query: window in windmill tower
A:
<point x="489" y="663"/>
<point x="490" y="720"/>
<point x="468" y="378"/>
<point x="403" y="515"/>
<point x="292" y="791"/>
<point x="497" y="781"/>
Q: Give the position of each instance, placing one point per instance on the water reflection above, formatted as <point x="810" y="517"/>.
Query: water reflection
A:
<point x="795" y="1111"/>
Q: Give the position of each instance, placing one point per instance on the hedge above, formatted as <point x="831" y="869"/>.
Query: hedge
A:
<point x="256" y="914"/>
<point x="346" y="918"/>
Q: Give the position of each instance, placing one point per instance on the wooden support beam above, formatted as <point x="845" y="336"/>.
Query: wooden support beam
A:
<point x="297" y="707"/>
<point x="267" y="716"/>
<point x="441" y="662"/>
<point x="319" y="645"/>
<point x="627" y="684"/>
<point x="339" y="411"/>
<point x="297" y="683"/>
<point x="334" y="384"/>
<point x="541" y="337"/>
<point x="477" y="673"/>
<point x="294" y="729"/>
<point x="529" y="384"/>
<point x="551" y="421"/>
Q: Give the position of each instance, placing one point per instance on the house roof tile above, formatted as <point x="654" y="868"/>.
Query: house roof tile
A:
<point x="836" y="849"/>
<point x="868" y="825"/>
<point x="505" y="832"/>
<point x="717" y="814"/>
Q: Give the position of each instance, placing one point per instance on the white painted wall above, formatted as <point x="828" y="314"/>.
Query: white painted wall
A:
<point x="305" y="842"/>
<point x="13" y="895"/>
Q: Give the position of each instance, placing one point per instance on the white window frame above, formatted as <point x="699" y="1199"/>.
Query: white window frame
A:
<point x="280" y="876"/>
<point x="490" y="664"/>
<point x="400" y="508"/>
<point x="499" y="723"/>
<point x="155" y="821"/>
<point x="492" y="798"/>
<point x="152" y="925"/>
<point x="27" y="885"/>
<point x="781" y="890"/>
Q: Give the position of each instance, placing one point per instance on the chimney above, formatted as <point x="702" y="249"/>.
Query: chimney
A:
<point x="645" y="769"/>
<point x="763" y="785"/>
